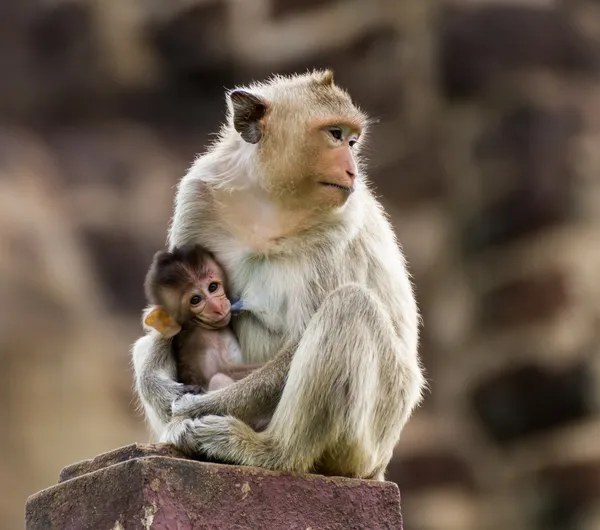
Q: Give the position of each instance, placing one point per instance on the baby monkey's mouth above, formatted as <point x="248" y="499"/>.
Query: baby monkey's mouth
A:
<point x="338" y="186"/>
<point x="215" y="324"/>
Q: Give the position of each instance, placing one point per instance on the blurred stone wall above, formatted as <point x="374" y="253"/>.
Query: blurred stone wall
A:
<point x="484" y="155"/>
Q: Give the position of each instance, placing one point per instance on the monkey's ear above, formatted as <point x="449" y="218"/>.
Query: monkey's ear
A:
<point x="324" y="77"/>
<point x="248" y="110"/>
<point x="162" y="322"/>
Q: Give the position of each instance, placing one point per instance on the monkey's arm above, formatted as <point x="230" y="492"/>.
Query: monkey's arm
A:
<point x="155" y="379"/>
<point x="239" y="371"/>
<point x="248" y="399"/>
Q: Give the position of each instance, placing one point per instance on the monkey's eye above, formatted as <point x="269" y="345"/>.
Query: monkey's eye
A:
<point x="352" y="142"/>
<point x="336" y="132"/>
<point x="213" y="287"/>
<point x="195" y="299"/>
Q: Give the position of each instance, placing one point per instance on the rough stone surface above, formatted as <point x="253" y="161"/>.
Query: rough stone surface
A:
<point x="149" y="487"/>
<point x="117" y="456"/>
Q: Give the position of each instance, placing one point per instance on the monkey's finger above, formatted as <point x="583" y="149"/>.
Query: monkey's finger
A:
<point x="191" y="389"/>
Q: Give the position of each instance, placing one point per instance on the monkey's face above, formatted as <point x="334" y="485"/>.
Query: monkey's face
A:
<point x="316" y="170"/>
<point x="203" y="301"/>
<point x="206" y="301"/>
<point x="332" y="174"/>
<point x="305" y="131"/>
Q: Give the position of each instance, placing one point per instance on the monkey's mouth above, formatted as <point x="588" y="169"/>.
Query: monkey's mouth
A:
<point x="216" y="324"/>
<point x="338" y="186"/>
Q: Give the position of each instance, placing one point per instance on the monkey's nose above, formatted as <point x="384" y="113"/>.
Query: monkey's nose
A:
<point x="351" y="174"/>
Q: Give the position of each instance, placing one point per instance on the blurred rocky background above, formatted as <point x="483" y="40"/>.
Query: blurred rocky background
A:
<point x="486" y="155"/>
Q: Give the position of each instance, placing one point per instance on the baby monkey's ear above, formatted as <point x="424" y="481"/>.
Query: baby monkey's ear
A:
<point x="158" y="319"/>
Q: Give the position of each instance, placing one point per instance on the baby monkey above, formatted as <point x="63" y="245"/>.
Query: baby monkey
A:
<point x="187" y="292"/>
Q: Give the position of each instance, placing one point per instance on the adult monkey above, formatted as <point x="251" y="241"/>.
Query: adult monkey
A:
<point x="281" y="202"/>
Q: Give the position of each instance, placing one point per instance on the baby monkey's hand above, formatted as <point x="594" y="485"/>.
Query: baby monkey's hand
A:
<point x="191" y="389"/>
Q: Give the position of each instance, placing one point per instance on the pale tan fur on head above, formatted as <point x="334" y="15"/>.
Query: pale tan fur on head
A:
<point x="294" y="105"/>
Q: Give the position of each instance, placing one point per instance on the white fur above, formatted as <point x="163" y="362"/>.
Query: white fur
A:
<point x="327" y="288"/>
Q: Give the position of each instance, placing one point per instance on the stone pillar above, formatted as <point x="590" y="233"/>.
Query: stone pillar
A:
<point x="155" y="487"/>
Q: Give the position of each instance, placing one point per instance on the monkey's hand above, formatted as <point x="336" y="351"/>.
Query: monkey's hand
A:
<point x="253" y="397"/>
<point x="190" y="389"/>
<point x="191" y="405"/>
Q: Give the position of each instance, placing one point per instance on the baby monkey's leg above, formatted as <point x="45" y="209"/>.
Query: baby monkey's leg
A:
<point x="218" y="381"/>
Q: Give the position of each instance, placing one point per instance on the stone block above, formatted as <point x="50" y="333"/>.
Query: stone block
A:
<point x="154" y="487"/>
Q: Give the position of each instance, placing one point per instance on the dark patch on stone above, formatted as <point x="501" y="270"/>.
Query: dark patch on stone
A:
<point x="535" y="143"/>
<point x="529" y="400"/>
<point x="192" y="46"/>
<point x="180" y="107"/>
<point x="66" y="60"/>
<point x="283" y="8"/>
<point x="524" y="301"/>
<point x="61" y="37"/>
<point x="120" y="265"/>
<point x="419" y="472"/>
<point x="197" y="65"/>
<point x="478" y="45"/>
<point x="567" y="491"/>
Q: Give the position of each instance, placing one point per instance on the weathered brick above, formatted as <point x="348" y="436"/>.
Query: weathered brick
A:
<point x="530" y="399"/>
<point x="524" y="301"/>
<point x="480" y="44"/>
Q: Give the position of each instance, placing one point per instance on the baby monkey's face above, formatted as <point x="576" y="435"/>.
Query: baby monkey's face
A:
<point x="206" y="301"/>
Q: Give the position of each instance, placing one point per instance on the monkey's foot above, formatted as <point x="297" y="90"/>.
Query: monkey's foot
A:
<point x="222" y="438"/>
<point x="189" y="404"/>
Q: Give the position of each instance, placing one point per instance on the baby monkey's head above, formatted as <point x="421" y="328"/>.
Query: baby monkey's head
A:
<point x="186" y="285"/>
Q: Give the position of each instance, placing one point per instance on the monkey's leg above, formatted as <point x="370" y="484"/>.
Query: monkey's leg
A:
<point x="239" y="371"/>
<point x="219" y="380"/>
<point x="349" y="391"/>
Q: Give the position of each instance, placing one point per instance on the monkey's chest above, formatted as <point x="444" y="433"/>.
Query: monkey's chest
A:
<point x="200" y="353"/>
<point x="279" y="300"/>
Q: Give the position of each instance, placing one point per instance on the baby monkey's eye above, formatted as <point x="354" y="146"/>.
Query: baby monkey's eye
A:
<point x="195" y="299"/>
<point x="352" y="142"/>
<point x="336" y="132"/>
<point x="213" y="287"/>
